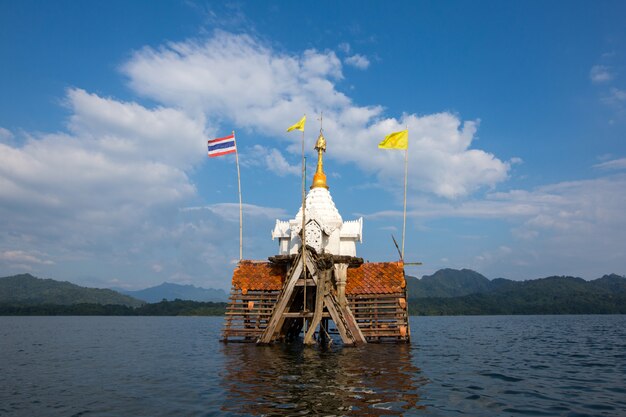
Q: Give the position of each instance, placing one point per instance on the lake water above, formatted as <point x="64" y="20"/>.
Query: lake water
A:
<point x="175" y="366"/>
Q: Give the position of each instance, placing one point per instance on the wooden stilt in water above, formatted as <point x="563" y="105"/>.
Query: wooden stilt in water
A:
<point x="319" y="307"/>
<point x="284" y="300"/>
<point x="320" y="271"/>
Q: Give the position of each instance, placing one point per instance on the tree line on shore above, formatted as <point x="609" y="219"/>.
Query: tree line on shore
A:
<point x="162" y="308"/>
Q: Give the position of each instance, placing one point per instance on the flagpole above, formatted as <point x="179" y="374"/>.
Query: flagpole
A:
<point x="240" y="204"/>
<point x="406" y="170"/>
<point x="304" y="226"/>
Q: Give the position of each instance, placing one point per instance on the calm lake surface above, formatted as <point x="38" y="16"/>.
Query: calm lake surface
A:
<point x="175" y="366"/>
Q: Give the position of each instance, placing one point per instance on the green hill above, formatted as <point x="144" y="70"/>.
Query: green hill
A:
<point x="551" y="295"/>
<point x="612" y="283"/>
<point x="27" y="289"/>
<point x="448" y="283"/>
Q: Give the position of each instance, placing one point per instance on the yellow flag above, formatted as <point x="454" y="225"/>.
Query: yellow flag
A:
<point x="396" y="140"/>
<point x="299" y="125"/>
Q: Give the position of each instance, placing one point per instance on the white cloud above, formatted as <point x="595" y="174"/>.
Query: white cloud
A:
<point x="344" y="47"/>
<point x="230" y="211"/>
<point x="315" y="64"/>
<point x="617" y="95"/>
<point x="600" y="74"/>
<point x="270" y="158"/>
<point x="524" y="233"/>
<point x="102" y="190"/>
<point x="358" y="61"/>
<point x="574" y="227"/>
<point x="588" y="206"/>
<point x="5" y="135"/>
<point x="390" y="228"/>
<point x="124" y="131"/>
<point x="615" y="98"/>
<point x="236" y="77"/>
<point x="614" y="164"/>
<point x="23" y="257"/>
<point x="118" y="157"/>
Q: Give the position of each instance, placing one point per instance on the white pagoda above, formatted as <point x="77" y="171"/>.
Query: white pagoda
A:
<point x="307" y="287"/>
<point x="325" y="230"/>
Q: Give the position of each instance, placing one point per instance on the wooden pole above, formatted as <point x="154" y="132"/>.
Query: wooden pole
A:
<point x="322" y="277"/>
<point x="240" y="204"/>
<point x="304" y="306"/>
<point x="406" y="170"/>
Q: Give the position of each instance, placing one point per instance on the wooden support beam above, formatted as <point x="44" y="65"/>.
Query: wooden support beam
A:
<point x="344" y="332"/>
<point x="352" y="261"/>
<point x="352" y="324"/>
<point x="319" y="306"/>
<point x="284" y="299"/>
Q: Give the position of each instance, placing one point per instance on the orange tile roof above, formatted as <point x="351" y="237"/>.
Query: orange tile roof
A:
<point x="376" y="278"/>
<point x="262" y="276"/>
<point x="368" y="278"/>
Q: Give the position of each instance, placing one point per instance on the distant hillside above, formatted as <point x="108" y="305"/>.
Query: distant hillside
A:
<point x="448" y="283"/>
<point x="27" y="289"/>
<point x="163" y="308"/>
<point x="552" y="295"/>
<point x="613" y="283"/>
<point x="169" y="291"/>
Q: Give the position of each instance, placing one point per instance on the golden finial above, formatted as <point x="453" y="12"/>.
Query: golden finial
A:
<point x="319" y="179"/>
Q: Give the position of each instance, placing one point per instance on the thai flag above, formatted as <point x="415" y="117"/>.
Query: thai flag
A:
<point x="222" y="146"/>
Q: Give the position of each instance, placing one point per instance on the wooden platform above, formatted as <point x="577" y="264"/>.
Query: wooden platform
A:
<point x="375" y="301"/>
<point x="381" y="317"/>
<point x="248" y="314"/>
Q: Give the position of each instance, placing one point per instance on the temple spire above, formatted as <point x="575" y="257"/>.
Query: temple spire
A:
<point x="319" y="179"/>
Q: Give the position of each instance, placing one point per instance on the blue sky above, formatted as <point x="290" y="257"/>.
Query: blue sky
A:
<point x="516" y="113"/>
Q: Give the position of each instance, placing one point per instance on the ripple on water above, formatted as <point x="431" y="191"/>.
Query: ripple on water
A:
<point x="501" y="377"/>
<point x="164" y="366"/>
<point x="377" y="380"/>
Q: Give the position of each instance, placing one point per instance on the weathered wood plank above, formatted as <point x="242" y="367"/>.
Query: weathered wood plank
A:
<point x="319" y="307"/>
<point x="297" y="314"/>
<point x="284" y="300"/>
<point x="344" y="332"/>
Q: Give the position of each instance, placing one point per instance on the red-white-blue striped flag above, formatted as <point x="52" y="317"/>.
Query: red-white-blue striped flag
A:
<point x="222" y="146"/>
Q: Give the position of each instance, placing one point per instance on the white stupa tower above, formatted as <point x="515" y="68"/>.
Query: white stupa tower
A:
<point x="325" y="230"/>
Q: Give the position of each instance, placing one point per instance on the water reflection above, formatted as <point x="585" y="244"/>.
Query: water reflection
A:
<point x="372" y="380"/>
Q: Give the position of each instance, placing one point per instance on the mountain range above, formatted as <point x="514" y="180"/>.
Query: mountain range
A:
<point x="451" y="291"/>
<point x="446" y="292"/>
<point x="27" y="289"/>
